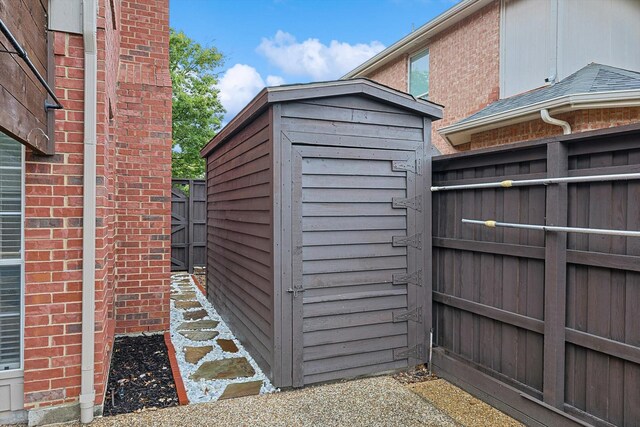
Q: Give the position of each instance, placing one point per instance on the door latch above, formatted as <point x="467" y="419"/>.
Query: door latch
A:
<point x="295" y="290"/>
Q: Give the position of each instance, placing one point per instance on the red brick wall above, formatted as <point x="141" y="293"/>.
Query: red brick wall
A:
<point x="132" y="203"/>
<point x="580" y="121"/>
<point x="53" y="244"/>
<point x="465" y="68"/>
<point x="464" y="77"/>
<point x="394" y="74"/>
<point x="464" y="63"/>
<point x="143" y="174"/>
<point x="108" y="63"/>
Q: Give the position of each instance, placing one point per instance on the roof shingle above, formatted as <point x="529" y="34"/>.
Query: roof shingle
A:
<point x="593" y="78"/>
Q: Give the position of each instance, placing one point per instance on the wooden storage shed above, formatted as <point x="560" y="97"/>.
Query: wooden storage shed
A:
<point x="318" y="231"/>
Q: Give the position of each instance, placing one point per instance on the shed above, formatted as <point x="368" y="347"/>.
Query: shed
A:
<point x="318" y="233"/>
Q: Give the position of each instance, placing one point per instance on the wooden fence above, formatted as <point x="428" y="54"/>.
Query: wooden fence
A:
<point x="543" y="325"/>
<point x="188" y="224"/>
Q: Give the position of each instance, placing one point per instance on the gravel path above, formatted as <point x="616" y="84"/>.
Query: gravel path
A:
<point x="380" y="401"/>
<point x="205" y="390"/>
<point x="461" y="406"/>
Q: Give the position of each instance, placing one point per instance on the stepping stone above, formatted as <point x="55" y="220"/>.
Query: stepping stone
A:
<point x="251" y="388"/>
<point x="227" y="345"/>
<point x="199" y="335"/>
<point x="187" y="296"/>
<point x="199" y="325"/>
<point x="183" y="305"/>
<point x="194" y="354"/>
<point x="194" y="315"/>
<point x="224" y="369"/>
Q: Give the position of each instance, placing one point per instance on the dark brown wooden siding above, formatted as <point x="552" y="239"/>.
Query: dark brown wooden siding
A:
<point x="239" y="229"/>
<point x="21" y="95"/>
<point x="553" y="315"/>
<point x="344" y="185"/>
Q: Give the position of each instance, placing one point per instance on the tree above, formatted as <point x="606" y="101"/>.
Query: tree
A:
<point x="197" y="111"/>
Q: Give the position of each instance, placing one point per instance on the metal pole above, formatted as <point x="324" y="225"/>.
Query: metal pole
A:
<point x="493" y="224"/>
<point x="23" y="54"/>
<point x="430" y="352"/>
<point x="543" y="181"/>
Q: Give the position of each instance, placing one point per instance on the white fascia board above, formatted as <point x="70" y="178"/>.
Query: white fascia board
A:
<point x="410" y="42"/>
<point x="461" y="133"/>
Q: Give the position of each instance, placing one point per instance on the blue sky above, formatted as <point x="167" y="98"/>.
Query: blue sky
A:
<point x="271" y="42"/>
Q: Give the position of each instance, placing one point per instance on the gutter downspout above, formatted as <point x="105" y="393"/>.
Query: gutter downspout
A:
<point x="87" y="391"/>
<point x="566" y="127"/>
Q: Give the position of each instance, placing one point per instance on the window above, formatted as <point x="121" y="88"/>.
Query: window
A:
<point x="10" y="253"/>
<point x="419" y="74"/>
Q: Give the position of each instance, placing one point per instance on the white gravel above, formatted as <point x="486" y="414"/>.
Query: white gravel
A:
<point x="207" y="390"/>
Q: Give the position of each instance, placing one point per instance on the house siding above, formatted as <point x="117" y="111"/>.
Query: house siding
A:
<point x="465" y="77"/>
<point x="132" y="203"/>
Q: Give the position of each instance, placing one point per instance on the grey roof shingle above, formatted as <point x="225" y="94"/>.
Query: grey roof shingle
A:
<point x="593" y="78"/>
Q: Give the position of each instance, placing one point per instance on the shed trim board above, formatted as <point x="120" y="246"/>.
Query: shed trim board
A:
<point x="311" y="173"/>
<point x="298" y="92"/>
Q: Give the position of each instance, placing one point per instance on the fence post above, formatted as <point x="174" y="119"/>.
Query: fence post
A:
<point x="555" y="278"/>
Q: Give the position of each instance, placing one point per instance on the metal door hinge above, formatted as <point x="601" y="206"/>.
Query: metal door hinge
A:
<point x="295" y="290"/>
<point x="414" y="315"/>
<point x="416" y="352"/>
<point x="410" y="165"/>
<point x="413" y="241"/>
<point x="414" y="278"/>
<point x="411" y="203"/>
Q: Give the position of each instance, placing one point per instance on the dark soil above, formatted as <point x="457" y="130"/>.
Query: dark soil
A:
<point x="140" y="376"/>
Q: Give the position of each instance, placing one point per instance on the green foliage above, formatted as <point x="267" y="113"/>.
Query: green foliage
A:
<point x="197" y="111"/>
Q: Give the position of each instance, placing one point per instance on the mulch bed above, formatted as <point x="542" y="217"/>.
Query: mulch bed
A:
<point x="140" y="376"/>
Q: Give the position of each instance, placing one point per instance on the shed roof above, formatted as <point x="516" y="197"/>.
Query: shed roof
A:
<point x="299" y="92"/>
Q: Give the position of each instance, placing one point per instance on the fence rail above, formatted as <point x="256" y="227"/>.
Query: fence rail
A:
<point x="188" y="224"/>
<point x="542" y="324"/>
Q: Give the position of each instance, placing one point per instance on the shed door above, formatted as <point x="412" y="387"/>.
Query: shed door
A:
<point x="357" y="263"/>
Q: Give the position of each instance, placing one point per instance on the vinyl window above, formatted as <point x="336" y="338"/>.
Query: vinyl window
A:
<point x="11" y="253"/>
<point x="419" y="74"/>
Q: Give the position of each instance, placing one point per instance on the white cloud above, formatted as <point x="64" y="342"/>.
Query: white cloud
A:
<point x="314" y="59"/>
<point x="275" y="81"/>
<point x="239" y="84"/>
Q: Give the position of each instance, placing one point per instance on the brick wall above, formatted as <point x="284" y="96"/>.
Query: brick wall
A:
<point x="132" y="203"/>
<point x="108" y="63"/>
<point x="465" y="77"/>
<point x="580" y="121"/>
<point x="464" y="67"/>
<point x="53" y="244"/>
<point x="143" y="170"/>
<point x="394" y="74"/>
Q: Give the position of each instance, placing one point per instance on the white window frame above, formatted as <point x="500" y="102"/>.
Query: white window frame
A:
<point x="20" y="262"/>
<point x="418" y="53"/>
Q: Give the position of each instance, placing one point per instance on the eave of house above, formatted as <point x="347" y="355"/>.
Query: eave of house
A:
<point x="460" y="133"/>
<point x="419" y="37"/>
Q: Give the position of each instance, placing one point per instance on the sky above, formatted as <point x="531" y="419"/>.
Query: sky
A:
<point x="274" y="42"/>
